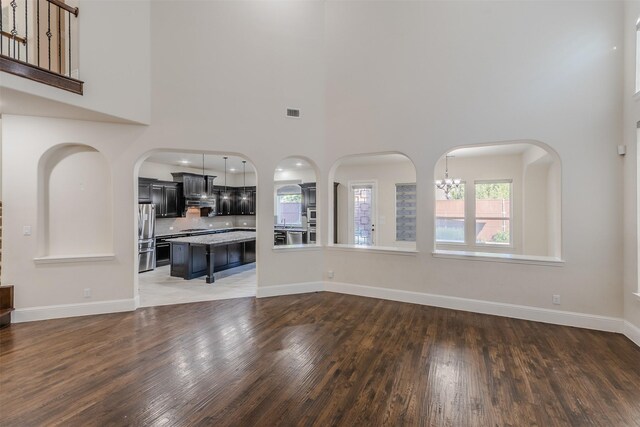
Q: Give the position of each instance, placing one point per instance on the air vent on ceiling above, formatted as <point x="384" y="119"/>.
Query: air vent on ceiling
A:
<point x="293" y="112"/>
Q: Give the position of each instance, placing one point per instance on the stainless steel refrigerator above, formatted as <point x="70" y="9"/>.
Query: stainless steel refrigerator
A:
<point x="146" y="237"/>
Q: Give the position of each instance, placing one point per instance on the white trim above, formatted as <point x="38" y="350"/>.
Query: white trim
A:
<point x="498" y="257"/>
<point x="637" y="295"/>
<point x="290" y="289"/>
<point x="567" y="318"/>
<point x="136" y="301"/>
<point x="631" y="331"/>
<point x="295" y="248"/>
<point x="57" y="259"/>
<point x="72" y="310"/>
<point x="392" y="250"/>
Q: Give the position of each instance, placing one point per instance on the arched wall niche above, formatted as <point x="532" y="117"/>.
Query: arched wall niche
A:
<point x="509" y="200"/>
<point x="75" y="215"/>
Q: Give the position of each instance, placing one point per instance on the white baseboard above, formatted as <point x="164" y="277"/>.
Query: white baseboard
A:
<point x="632" y="332"/>
<point x="72" y="310"/>
<point x="291" y="289"/>
<point x="567" y="318"/>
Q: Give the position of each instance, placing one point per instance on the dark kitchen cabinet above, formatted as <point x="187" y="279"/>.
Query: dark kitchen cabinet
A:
<point x="164" y="195"/>
<point x="193" y="185"/>
<point x="171" y="201"/>
<point x="211" y="192"/>
<point x="225" y="200"/>
<point x="144" y="191"/>
<point x="246" y="201"/>
<point x="308" y="196"/>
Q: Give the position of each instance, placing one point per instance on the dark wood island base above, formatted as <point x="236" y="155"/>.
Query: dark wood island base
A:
<point x="192" y="259"/>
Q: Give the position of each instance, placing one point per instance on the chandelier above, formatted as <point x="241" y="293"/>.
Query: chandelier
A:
<point x="448" y="184"/>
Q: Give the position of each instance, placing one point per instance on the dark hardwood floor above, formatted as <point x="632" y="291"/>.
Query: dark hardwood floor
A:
<point x="315" y="359"/>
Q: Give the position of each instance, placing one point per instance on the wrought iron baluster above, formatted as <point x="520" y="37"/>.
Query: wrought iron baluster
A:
<point x="26" y="31"/>
<point x="49" y="31"/>
<point x="1" y="45"/>
<point x="59" y="44"/>
<point x="38" y="28"/>
<point x="14" y="31"/>
<point x="69" y="25"/>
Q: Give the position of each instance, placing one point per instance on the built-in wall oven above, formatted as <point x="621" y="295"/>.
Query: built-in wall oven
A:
<point x="311" y="234"/>
<point x="311" y="216"/>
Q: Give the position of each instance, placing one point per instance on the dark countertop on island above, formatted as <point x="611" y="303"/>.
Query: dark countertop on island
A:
<point x="217" y="239"/>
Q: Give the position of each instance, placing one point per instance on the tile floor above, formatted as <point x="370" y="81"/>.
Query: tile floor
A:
<point x="157" y="287"/>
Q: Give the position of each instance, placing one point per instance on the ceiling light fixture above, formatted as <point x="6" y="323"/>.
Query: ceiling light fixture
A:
<point x="185" y="162"/>
<point x="299" y="164"/>
<point x="279" y="169"/>
<point x="225" y="195"/>
<point x="244" y="180"/>
<point x="448" y="184"/>
<point x="204" y="179"/>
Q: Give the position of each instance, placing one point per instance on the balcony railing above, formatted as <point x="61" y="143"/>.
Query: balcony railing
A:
<point x="38" y="41"/>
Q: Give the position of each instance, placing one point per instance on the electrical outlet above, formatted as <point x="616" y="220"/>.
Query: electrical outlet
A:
<point x="87" y="292"/>
<point x="556" y="299"/>
<point x="26" y="230"/>
<point x="170" y="228"/>
<point x="330" y="274"/>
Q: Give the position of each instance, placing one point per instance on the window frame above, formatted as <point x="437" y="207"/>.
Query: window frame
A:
<point x="476" y="218"/>
<point x="463" y="218"/>
<point x="277" y="203"/>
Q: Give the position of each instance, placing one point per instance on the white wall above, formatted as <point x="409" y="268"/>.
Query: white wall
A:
<point x="114" y="62"/>
<point x="630" y="162"/>
<point x="26" y="140"/>
<point x="408" y="77"/>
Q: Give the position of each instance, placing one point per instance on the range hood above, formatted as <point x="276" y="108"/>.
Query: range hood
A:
<point x="201" y="203"/>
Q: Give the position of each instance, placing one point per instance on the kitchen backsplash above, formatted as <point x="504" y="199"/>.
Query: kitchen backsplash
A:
<point x="163" y="225"/>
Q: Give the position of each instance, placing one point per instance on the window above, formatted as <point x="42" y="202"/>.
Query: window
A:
<point x="289" y="205"/>
<point x="406" y="212"/>
<point x="450" y="222"/>
<point x="493" y="212"/>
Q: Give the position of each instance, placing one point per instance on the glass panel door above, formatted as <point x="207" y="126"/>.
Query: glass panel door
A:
<point x="363" y="214"/>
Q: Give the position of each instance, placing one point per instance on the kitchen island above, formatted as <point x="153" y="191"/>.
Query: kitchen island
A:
<point x="197" y="256"/>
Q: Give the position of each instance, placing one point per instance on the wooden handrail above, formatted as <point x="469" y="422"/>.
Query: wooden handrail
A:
<point x="11" y="36"/>
<point x="66" y="7"/>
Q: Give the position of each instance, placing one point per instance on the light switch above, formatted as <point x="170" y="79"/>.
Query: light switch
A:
<point x="26" y="230"/>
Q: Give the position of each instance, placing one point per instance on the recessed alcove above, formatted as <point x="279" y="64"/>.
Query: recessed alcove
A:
<point x="75" y="204"/>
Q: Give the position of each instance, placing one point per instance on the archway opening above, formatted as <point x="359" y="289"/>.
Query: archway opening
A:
<point x="374" y="202"/>
<point x="499" y="198"/>
<point x="196" y="227"/>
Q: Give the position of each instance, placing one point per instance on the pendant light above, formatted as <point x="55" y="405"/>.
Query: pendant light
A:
<point x="225" y="196"/>
<point x="244" y="180"/>
<point x="448" y="184"/>
<point x="204" y="179"/>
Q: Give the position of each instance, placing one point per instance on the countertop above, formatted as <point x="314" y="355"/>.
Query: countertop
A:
<point x="217" y="239"/>
<point x="276" y="228"/>
<point x="209" y="230"/>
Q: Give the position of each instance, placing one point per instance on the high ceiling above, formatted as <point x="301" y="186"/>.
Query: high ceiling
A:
<point x="194" y="160"/>
<point x="491" y="150"/>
